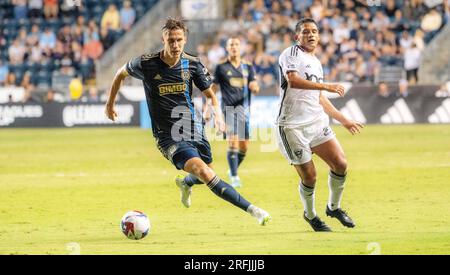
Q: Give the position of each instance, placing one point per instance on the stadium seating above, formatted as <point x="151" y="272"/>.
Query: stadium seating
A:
<point x="42" y="72"/>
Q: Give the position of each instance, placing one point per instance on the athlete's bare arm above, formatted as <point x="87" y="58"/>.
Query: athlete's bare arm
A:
<point x="296" y="82"/>
<point x="117" y="82"/>
<point x="352" y="126"/>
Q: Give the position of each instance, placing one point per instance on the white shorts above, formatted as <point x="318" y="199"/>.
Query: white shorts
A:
<point x="295" y="142"/>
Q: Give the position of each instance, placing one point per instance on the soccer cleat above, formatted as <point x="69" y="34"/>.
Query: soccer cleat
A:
<point x="317" y="224"/>
<point x="236" y="182"/>
<point x="185" y="191"/>
<point x="261" y="215"/>
<point x="341" y="215"/>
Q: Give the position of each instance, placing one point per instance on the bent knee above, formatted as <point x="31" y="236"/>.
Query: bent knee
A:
<point x="340" y="166"/>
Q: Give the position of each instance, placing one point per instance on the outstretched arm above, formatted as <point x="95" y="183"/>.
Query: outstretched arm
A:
<point x="352" y="126"/>
<point x="117" y="82"/>
<point x="296" y="82"/>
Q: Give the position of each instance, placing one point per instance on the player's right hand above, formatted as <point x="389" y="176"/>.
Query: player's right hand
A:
<point x="110" y="112"/>
<point x="335" y="88"/>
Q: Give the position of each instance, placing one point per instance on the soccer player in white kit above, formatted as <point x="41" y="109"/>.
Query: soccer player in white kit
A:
<point x="303" y="124"/>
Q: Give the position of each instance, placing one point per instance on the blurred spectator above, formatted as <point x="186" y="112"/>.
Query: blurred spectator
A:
<point x="317" y="10"/>
<point x="69" y="9"/>
<point x="93" y="49"/>
<point x="16" y="52"/>
<point x="264" y="67"/>
<point x="51" y="9"/>
<point x="431" y="23"/>
<point x="444" y="90"/>
<point x="216" y="53"/>
<point x="93" y="96"/>
<point x="33" y="36"/>
<point x="50" y="97"/>
<point x="418" y="39"/>
<point x="20" y="9"/>
<point x="27" y="83"/>
<point x="35" y="54"/>
<point x="359" y="70"/>
<point x="10" y="79"/>
<point x="65" y="36"/>
<point x="111" y="18"/>
<point x="127" y="15"/>
<point x="402" y="88"/>
<point x="106" y="37"/>
<point x="35" y="8"/>
<point x="47" y="40"/>
<point x="412" y="61"/>
<point x="383" y="90"/>
<point x="406" y="40"/>
<point x="91" y="32"/>
<point x="4" y="70"/>
<point x="29" y="97"/>
<point x="274" y="45"/>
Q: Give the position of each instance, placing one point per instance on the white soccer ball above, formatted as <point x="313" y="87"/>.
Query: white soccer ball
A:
<point x="135" y="225"/>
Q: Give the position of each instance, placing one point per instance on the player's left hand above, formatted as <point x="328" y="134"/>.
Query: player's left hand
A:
<point x="354" y="127"/>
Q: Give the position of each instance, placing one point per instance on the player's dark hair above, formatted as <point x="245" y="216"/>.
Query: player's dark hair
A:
<point x="300" y="23"/>
<point x="175" y="24"/>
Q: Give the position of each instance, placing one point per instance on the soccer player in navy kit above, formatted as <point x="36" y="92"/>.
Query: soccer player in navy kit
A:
<point x="236" y="79"/>
<point x="167" y="77"/>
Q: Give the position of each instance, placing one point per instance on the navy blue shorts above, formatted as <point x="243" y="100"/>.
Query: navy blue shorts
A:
<point x="179" y="152"/>
<point x="237" y="123"/>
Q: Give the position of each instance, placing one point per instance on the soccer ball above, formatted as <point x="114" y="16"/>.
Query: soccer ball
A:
<point x="135" y="225"/>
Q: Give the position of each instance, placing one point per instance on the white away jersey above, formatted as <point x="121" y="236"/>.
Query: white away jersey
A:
<point x="297" y="106"/>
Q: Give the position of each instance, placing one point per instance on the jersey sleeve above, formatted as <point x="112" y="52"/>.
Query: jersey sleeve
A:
<point x="289" y="63"/>
<point x="216" y="79"/>
<point x="202" y="77"/>
<point x="134" y="68"/>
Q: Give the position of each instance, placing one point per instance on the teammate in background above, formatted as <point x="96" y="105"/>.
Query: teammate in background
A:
<point x="236" y="79"/>
<point x="167" y="77"/>
<point x="303" y="125"/>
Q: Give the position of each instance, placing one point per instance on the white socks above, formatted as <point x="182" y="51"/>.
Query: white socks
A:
<point x="307" y="197"/>
<point x="336" y="186"/>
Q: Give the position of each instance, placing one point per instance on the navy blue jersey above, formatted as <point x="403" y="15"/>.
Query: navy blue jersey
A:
<point x="234" y="82"/>
<point x="169" y="90"/>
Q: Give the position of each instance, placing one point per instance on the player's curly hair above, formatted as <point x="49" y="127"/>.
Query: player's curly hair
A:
<point x="175" y="24"/>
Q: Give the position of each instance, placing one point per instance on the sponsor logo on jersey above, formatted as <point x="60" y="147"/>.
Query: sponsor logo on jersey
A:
<point x="313" y="77"/>
<point x="172" y="88"/>
<point x="237" y="82"/>
<point x="185" y="75"/>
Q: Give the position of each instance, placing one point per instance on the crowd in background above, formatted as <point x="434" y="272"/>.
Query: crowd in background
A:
<point x="56" y="42"/>
<point x="356" y="39"/>
<point x="51" y="42"/>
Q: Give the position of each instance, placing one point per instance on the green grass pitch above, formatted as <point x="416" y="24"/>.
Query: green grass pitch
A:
<point x="73" y="186"/>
